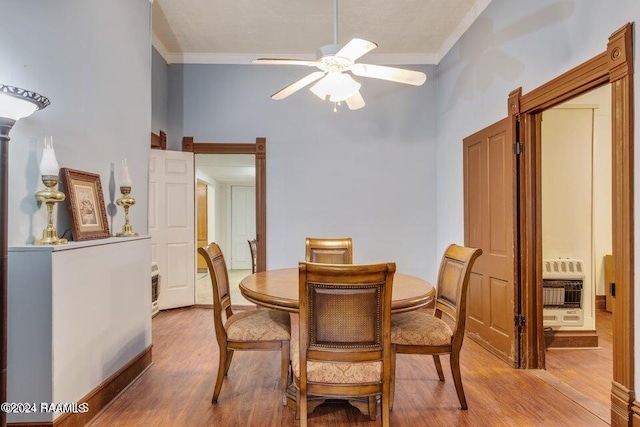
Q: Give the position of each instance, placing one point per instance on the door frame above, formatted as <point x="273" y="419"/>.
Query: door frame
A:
<point x="614" y="66"/>
<point x="259" y="149"/>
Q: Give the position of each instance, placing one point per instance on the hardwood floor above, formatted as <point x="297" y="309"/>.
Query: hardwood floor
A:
<point x="588" y="370"/>
<point x="176" y="390"/>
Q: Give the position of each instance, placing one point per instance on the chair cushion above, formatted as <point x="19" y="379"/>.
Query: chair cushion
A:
<point x="335" y="372"/>
<point x="259" y="325"/>
<point x="419" y="328"/>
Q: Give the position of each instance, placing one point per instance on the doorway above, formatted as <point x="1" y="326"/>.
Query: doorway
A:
<point x="612" y="66"/>
<point x="257" y="152"/>
<point x="576" y="239"/>
<point x="226" y="214"/>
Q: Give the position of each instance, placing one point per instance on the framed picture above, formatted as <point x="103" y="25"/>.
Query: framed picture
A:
<point x="86" y="205"/>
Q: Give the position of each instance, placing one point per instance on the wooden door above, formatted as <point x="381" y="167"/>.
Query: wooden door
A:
<point x="202" y="220"/>
<point x="243" y="225"/>
<point x="171" y="225"/>
<point x="489" y="201"/>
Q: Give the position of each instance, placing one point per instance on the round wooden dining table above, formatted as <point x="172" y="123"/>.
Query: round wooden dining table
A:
<point x="278" y="289"/>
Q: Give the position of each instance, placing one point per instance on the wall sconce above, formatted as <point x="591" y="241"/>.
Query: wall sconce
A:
<point x="126" y="201"/>
<point x="15" y="103"/>
<point x="49" y="170"/>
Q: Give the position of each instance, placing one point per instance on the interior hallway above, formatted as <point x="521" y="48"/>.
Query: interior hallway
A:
<point x="204" y="294"/>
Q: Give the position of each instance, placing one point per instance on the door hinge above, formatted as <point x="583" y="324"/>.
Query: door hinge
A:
<point x="519" y="320"/>
<point x="612" y="289"/>
<point x="518" y="148"/>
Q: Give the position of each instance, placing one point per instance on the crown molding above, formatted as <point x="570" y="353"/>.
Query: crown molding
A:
<point x="160" y="47"/>
<point x="478" y="7"/>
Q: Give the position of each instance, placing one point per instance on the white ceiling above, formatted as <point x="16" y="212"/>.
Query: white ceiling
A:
<point x="228" y="168"/>
<point x="238" y="31"/>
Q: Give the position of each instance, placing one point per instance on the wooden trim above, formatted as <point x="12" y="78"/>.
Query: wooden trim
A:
<point x="217" y="147"/>
<point x="261" y="203"/>
<point x="101" y="396"/>
<point x="622" y="400"/>
<point x="104" y="393"/>
<point x="159" y="142"/>
<point x="635" y="420"/>
<point x="513" y="108"/>
<point x="615" y="66"/>
<point x="259" y="149"/>
<point x="601" y="302"/>
<point x="572" y="339"/>
<point x="31" y="424"/>
<point x="580" y="79"/>
<point x="620" y="51"/>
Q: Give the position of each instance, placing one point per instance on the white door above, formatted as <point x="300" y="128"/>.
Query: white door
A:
<point x="171" y="225"/>
<point x="243" y="225"/>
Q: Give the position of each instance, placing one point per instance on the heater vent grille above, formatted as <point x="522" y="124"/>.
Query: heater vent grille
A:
<point x="563" y="269"/>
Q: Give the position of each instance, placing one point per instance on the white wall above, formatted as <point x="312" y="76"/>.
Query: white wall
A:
<point x="567" y="194"/>
<point x="92" y="60"/>
<point x="369" y="174"/>
<point x="516" y="43"/>
<point x="600" y="99"/>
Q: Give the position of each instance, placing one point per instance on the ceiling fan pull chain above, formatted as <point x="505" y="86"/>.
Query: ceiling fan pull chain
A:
<point x="335" y="22"/>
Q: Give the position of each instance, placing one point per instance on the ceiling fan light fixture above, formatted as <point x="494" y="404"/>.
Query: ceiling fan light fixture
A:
<point x="337" y="86"/>
<point x="334" y="61"/>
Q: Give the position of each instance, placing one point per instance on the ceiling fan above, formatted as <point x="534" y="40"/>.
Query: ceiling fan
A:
<point x="334" y="61"/>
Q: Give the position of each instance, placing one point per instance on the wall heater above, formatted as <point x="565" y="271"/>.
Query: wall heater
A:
<point x="562" y="292"/>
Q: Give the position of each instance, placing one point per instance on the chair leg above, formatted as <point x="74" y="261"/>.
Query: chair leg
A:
<point x="392" y="388"/>
<point x="436" y="360"/>
<point x="297" y="403"/>
<point x="284" y="370"/>
<point x="373" y="408"/>
<point x="457" y="378"/>
<point x="222" y="371"/>
<point x="229" y="357"/>
<point x="386" y="408"/>
<point x="302" y="408"/>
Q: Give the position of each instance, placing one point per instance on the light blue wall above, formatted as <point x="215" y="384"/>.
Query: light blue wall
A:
<point x="368" y="174"/>
<point x="176" y="110"/>
<point x="159" y="93"/>
<point x="92" y="60"/>
<point x="512" y="44"/>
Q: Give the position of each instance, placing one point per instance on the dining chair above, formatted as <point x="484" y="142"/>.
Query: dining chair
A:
<point x="253" y="248"/>
<point x="344" y="346"/>
<point x="419" y="332"/>
<point x="329" y="251"/>
<point x="261" y="329"/>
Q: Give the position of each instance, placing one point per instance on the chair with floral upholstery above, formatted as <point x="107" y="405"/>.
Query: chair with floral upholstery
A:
<point x="329" y="251"/>
<point x="344" y="348"/>
<point x="419" y="332"/>
<point x="261" y="329"/>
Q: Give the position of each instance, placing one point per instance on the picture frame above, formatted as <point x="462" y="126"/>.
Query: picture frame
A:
<point x="85" y="204"/>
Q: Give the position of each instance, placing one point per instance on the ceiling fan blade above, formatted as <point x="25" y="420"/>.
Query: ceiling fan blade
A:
<point x="296" y="86"/>
<point x="356" y="48"/>
<point x="282" y="61"/>
<point x="355" y="102"/>
<point x="399" y="75"/>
